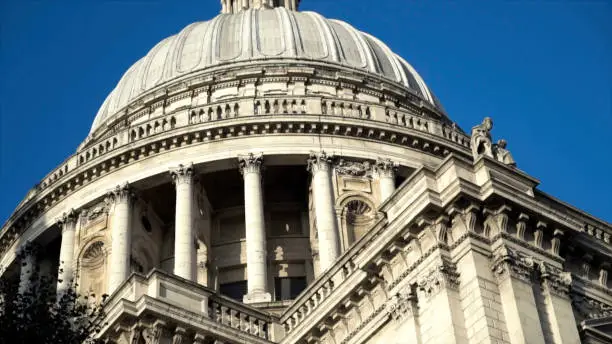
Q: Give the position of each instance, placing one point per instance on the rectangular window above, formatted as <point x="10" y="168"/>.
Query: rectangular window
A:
<point x="288" y="288"/>
<point x="234" y="290"/>
<point x="284" y="223"/>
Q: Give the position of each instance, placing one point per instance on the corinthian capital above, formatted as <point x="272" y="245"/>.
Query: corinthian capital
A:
<point x="250" y="163"/>
<point x="68" y="217"/>
<point x="182" y="174"/>
<point x="319" y="161"/>
<point x="121" y="194"/>
<point x="386" y="167"/>
<point x="555" y="280"/>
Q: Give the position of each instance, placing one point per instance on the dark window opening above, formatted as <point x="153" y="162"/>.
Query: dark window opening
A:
<point x="146" y="224"/>
<point x="234" y="290"/>
<point x="288" y="288"/>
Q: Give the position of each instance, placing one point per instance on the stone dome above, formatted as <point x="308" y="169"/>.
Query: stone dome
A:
<point x="261" y="35"/>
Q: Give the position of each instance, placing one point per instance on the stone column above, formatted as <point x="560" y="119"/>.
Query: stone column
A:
<point x="28" y="266"/>
<point x="65" y="276"/>
<point x="121" y="235"/>
<point x="184" y="229"/>
<point x="319" y="164"/>
<point x="250" y="167"/>
<point x="385" y="171"/>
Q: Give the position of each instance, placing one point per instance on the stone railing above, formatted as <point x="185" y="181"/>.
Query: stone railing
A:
<point x="194" y="298"/>
<point x="315" y="296"/>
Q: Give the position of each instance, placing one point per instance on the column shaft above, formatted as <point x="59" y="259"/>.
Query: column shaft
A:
<point x="121" y="237"/>
<point x="27" y="271"/>
<point x="385" y="169"/>
<point x="255" y="229"/>
<point x="184" y="231"/>
<point x="65" y="277"/>
<point x="327" y="228"/>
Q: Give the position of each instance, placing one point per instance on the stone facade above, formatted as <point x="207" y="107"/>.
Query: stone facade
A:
<point x="305" y="200"/>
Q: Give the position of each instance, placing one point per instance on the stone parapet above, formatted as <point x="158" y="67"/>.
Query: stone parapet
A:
<point x="186" y="308"/>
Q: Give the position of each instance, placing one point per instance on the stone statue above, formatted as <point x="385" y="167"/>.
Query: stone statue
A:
<point x="502" y="154"/>
<point x="481" y="139"/>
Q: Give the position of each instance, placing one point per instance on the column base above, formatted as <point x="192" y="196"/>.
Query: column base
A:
<point x="257" y="297"/>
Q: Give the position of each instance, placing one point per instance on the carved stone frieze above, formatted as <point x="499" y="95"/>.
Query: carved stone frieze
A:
<point x="353" y="168"/>
<point x="438" y="278"/>
<point x="590" y="308"/>
<point x="250" y="163"/>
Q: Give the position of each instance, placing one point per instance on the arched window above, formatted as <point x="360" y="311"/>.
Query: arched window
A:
<point x="357" y="217"/>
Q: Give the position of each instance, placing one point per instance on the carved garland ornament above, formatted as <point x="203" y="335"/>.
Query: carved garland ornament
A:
<point x="355" y="169"/>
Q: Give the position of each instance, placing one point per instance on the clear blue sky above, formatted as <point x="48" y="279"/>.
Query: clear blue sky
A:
<point x="541" y="69"/>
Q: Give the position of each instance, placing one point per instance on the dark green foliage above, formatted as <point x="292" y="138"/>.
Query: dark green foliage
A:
<point x="35" y="317"/>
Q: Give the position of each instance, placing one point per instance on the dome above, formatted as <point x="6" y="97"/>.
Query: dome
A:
<point x="260" y="35"/>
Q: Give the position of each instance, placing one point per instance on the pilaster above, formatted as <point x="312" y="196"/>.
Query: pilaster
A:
<point x="442" y="320"/>
<point x="515" y="275"/>
<point x="556" y="286"/>
<point x="404" y="314"/>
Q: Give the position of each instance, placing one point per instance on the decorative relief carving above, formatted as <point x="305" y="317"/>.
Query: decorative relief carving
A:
<point x="352" y="168"/>
<point x="319" y="161"/>
<point x="590" y="308"/>
<point x="183" y="174"/>
<point x="438" y="278"/>
<point x="250" y="163"/>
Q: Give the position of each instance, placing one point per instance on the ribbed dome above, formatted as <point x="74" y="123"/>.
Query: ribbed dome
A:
<point x="253" y="35"/>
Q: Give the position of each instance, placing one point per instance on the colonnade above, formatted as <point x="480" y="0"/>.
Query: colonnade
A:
<point x="121" y="198"/>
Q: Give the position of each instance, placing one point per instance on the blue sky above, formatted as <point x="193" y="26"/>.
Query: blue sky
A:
<point x="541" y="69"/>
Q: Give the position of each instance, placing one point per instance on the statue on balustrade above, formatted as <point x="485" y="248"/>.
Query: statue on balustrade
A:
<point x="482" y="144"/>
<point x="481" y="139"/>
<point x="502" y="154"/>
